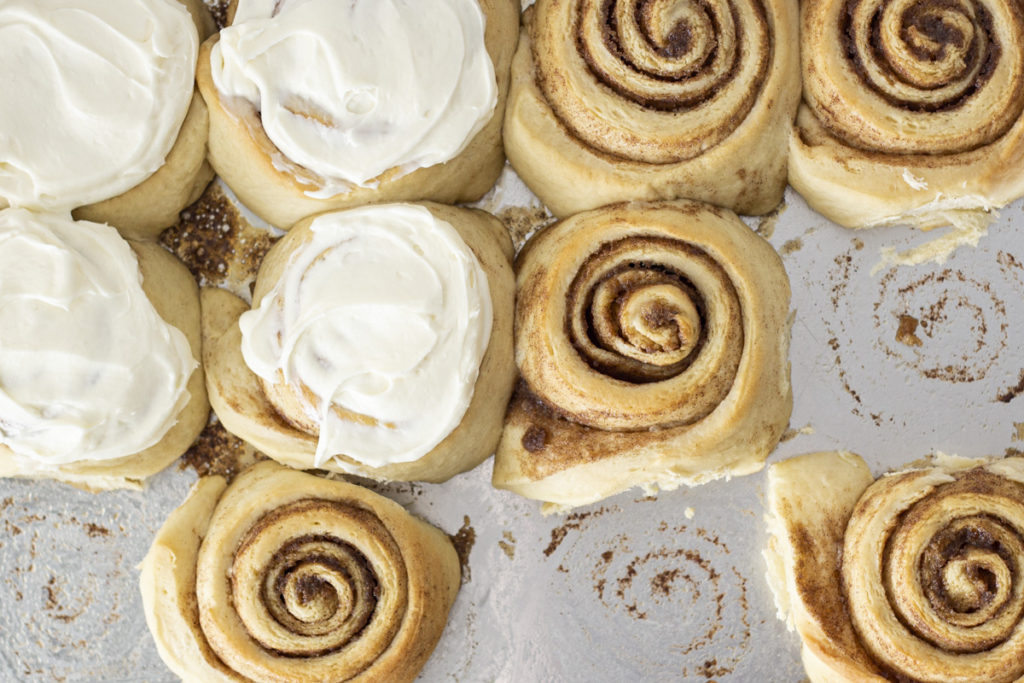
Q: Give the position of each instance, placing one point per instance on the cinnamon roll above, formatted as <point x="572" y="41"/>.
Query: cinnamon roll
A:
<point x="323" y="105"/>
<point x="916" y="576"/>
<point x="99" y="383"/>
<point x="652" y="341"/>
<point x="654" y="99"/>
<point x="101" y="113"/>
<point x="912" y="110"/>
<point x="379" y="343"/>
<point x="284" y="576"/>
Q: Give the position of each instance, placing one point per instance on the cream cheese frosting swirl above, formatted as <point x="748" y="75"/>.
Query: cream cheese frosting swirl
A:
<point x="88" y="368"/>
<point x="381" y="321"/>
<point x="396" y="83"/>
<point x="95" y="95"/>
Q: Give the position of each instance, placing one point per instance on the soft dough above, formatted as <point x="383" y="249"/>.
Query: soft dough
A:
<point x="652" y="339"/>
<point x="912" y="111"/>
<point x="915" y="576"/>
<point x="282" y="192"/>
<point x="271" y="416"/>
<point x="613" y="101"/>
<point x="284" y="576"/>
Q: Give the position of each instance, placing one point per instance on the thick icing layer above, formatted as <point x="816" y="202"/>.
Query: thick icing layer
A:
<point x="88" y="368"/>
<point x="385" y="314"/>
<point x="351" y="89"/>
<point x="95" y="94"/>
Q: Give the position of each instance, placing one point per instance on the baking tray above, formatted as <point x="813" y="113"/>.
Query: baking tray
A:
<point x="894" y="363"/>
<point x="634" y="588"/>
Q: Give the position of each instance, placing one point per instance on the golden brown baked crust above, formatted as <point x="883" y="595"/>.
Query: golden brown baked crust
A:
<point x="617" y="101"/>
<point x="912" y="111"/>
<point x="284" y="576"/>
<point x="652" y="341"/>
<point x="238" y="395"/>
<point x="175" y="296"/>
<point x="276" y="189"/>
<point x="915" y="576"/>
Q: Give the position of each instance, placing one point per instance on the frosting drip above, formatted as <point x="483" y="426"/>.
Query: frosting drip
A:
<point x="96" y="93"/>
<point x="88" y="368"/>
<point x="381" y="321"/>
<point x="398" y="83"/>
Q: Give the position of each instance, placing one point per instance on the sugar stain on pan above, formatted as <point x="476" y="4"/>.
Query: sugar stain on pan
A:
<point x="962" y="326"/>
<point x="685" y="585"/>
<point x="942" y="325"/>
<point x="464" y="539"/>
<point x="574" y="521"/>
<point x="522" y="222"/>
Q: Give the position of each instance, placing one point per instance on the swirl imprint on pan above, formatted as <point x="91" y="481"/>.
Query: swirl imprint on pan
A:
<point x="945" y="325"/>
<point x="677" y="584"/>
<point x="61" y="622"/>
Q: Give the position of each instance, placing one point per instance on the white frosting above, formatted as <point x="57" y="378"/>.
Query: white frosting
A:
<point x="88" y="368"/>
<point x="351" y="89"/>
<point x="95" y="92"/>
<point x="385" y="313"/>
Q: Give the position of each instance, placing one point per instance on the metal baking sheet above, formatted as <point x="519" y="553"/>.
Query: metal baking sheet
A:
<point x="893" y="365"/>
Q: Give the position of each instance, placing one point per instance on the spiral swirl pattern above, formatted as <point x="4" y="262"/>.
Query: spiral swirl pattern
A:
<point x="302" y="579"/>
<point x="915" y="76"/>
<point x="651" y="329"/>
<point x="658" y="81"/>
<point x="933" y="569"/>
<point x="657" y="314"/>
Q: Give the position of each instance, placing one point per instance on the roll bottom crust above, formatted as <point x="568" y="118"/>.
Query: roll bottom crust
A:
<point x="276" y="189"/>
<point x="239" y="400"/>
<point x="862" y="189"/>
<point x="847" y="554"/>
<point x="175" y="296"/>
<point x="218" y="545"/>
<point x="555" y="448"/>
<point x="746" y="172"/>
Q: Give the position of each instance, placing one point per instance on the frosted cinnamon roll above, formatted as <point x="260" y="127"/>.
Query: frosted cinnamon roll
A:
<point x="911" y="112"/>
<point x="101" y="113"/>
<point x="652" y="341"/>
<point x="653" y="99"/>
<point x="283" y="576"/>
<point x="99" y="383"/>
<point x="379" y="343"/>
<point x="916" y="576"/>
<point x="321" y="105"/>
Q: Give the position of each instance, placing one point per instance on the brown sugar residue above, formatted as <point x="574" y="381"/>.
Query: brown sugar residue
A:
<point x="791" y="246"/>
<point x="906" y="332"/>
<point x="216" y="242"/>
<point x="1018" y="434"/>
<point x="1010" y="393"/>
<point x="91" y="530"/>
<point x="523" y="221"/>
<point x="573" y="522"/>
<point x="219" y="10"/>
<point x="766" y="224"/>
<point x="218" y="453"/>
<point x="508" y="544"/>
<point x="53" y="607"/>
<point x="464" y="540"/>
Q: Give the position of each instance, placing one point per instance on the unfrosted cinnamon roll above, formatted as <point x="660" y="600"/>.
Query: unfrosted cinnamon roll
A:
<point x="379" y="343"/>
<point x="912" y="110"/>
<point x="652" y="340"/>
<point x="284" y="576"/>
<point x="99" y="383"/>
<point x="101" y="113"/>
<point x="322" y="105"/>
<point x="918" y="576"/>
<point x="654" y="99"/>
